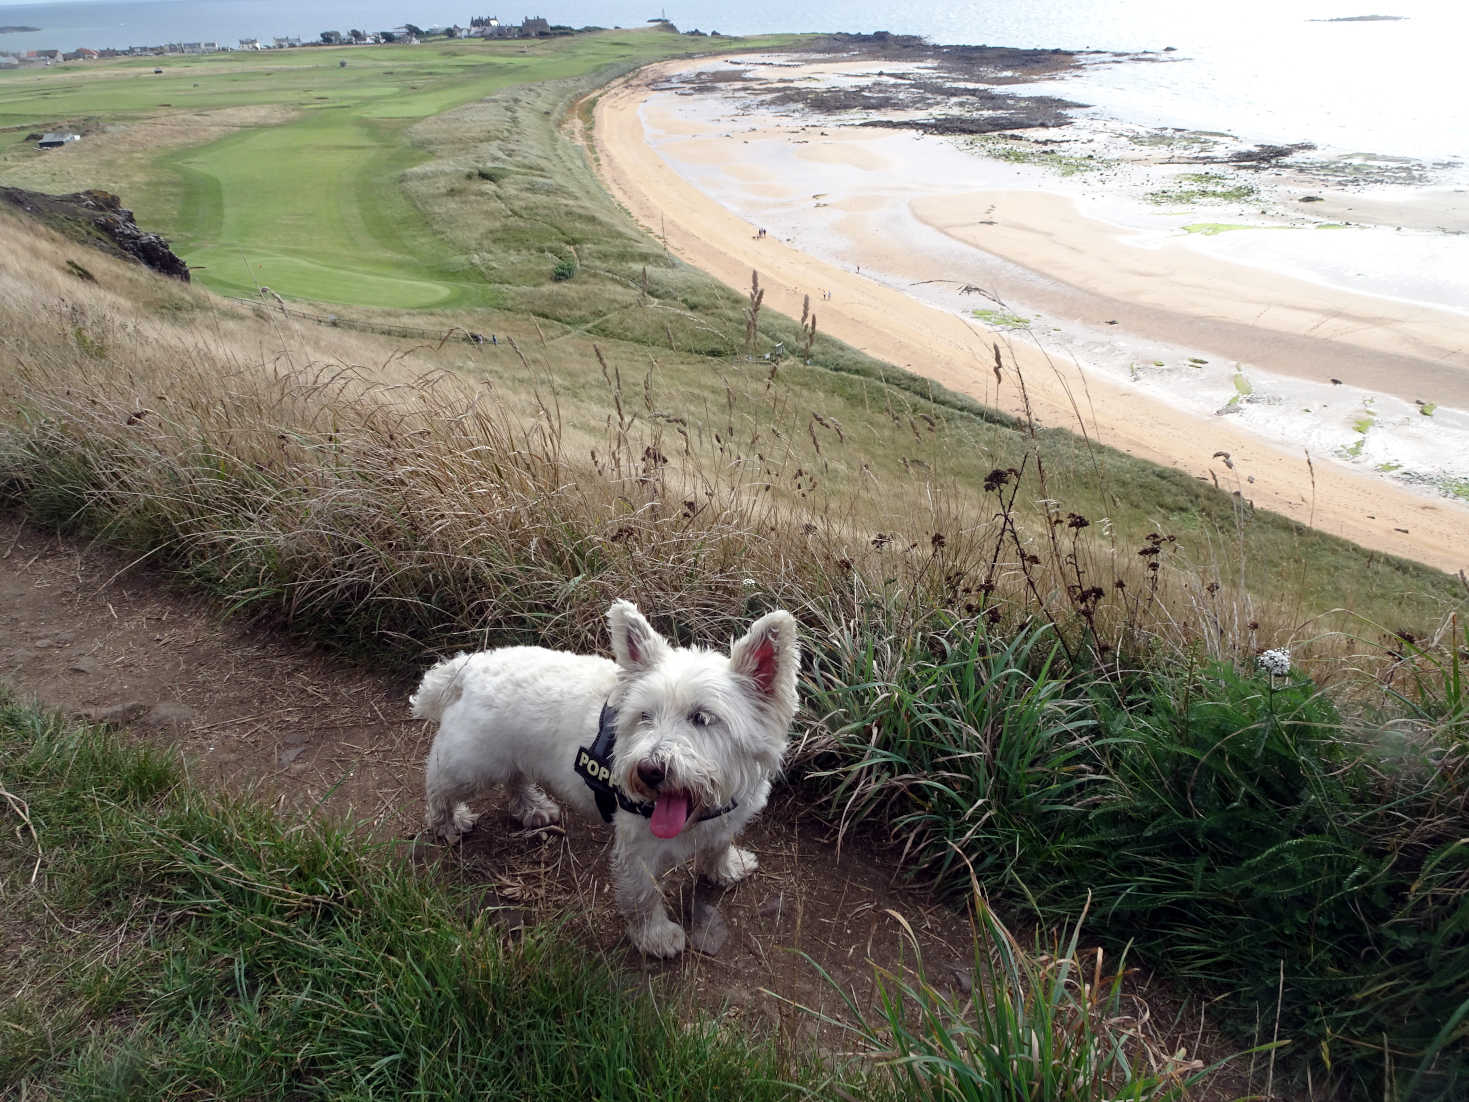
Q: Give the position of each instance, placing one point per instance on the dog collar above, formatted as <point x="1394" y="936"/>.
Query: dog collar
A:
<point x="594" y="766"/>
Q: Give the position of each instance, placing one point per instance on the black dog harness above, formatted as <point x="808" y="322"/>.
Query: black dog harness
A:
<point x="594" y="765"/>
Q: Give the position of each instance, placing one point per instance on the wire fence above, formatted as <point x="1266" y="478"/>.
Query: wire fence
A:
<point x="272" y="303"/>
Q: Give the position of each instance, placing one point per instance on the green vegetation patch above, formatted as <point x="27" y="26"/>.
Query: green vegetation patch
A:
<point x="1230" y="825"/>
<point x="352" y="236"/>
<point x="1201" y="187"/>
<point x="1023" y="153"/>
<point x="1000" y="319"/>
<point x="1211" y="229"/>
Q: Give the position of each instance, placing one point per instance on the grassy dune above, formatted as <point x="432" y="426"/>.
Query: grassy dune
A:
<point x="1031" y="657"/>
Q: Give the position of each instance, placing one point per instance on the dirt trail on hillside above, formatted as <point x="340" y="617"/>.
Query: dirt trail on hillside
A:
<point x="85" y="631"/>
<point x="93" y="634"/>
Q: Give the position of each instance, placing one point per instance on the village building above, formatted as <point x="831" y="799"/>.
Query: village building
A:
<point x="490" y="27"/>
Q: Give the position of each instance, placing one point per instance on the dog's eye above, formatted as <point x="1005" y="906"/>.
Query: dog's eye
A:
<point x="646" y="719"/>
<point x="700" y="719"/>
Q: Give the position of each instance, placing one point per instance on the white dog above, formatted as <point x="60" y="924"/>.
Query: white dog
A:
<point x="676" y="747"/>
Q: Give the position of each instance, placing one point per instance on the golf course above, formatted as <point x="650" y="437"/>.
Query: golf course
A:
<point x="312" y="202"/>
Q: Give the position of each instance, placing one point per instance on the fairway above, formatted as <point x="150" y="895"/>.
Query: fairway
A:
<point x="312" y="207"/>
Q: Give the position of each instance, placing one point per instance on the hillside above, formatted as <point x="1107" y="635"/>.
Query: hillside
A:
<point x="1031" y="657"/>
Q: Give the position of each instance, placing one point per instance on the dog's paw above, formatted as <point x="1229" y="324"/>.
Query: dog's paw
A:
<point x="532" y="808"/>
<point x="730" y="867"/>
<point x="659" y="936"/>
<point x="541" y="816"/>
<point x="455" y="825"/>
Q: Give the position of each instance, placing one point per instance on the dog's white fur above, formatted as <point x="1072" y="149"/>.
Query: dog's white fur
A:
<point x="715" y="726"/>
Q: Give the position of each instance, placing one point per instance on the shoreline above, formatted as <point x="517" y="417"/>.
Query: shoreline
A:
<point x="941" y="343"/>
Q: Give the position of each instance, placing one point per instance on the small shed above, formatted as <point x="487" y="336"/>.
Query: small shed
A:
<point x="57" y="140"/>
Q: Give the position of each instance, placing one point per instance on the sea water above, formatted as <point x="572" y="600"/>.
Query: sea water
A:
<point x="1280" y="70"/>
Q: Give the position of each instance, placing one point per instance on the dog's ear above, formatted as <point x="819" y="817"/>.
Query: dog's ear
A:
<point x="636" y="646"/>
<point x="768" y="655"/>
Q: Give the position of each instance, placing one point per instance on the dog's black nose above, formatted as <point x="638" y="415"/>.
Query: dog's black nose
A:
<point x="651" y="773"/>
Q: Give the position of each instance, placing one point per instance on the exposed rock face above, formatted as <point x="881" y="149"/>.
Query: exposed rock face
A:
<point x="99" y="219"/>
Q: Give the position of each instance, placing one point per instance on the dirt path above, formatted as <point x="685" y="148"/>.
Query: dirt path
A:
<point x="85" y="631"/>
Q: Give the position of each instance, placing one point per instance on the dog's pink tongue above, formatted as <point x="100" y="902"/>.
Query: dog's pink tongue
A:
<point x="670" y="813"/>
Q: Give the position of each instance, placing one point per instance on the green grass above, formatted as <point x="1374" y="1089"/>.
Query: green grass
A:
<point x="315" y="207"/>
<point x="351" y="237"/>
<point x="1233" y="829"/>
<point x="1046" y="1025"/>
<point x="179" y="945"/>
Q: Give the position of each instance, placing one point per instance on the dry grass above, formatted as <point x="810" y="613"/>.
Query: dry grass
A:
<point x="258" y="451"/>
<point x="465" y="493"/>
<point x="406" y="500"/>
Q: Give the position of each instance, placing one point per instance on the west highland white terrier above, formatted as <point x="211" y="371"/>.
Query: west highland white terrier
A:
<point x="676" y="747"/>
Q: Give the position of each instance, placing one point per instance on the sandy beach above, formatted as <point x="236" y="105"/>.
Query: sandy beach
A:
<point x="1126" y="330"/>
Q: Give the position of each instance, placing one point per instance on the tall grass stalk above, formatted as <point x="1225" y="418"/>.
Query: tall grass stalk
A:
<point x="1053" y="1024"/>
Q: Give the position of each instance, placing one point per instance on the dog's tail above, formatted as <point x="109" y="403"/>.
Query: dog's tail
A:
<point x="440" y="687"/>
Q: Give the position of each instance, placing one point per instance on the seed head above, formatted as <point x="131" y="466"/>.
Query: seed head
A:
<point x="1275" y="662"/>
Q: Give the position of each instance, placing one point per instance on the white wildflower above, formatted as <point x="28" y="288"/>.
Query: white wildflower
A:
<point x="749" y="583"/>
<point x="1275" y="662"/>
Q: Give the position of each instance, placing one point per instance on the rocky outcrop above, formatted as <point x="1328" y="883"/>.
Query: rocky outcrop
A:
<point x="98" y="218"/>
